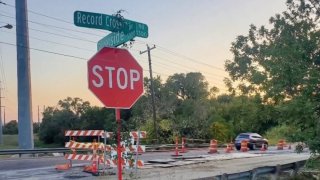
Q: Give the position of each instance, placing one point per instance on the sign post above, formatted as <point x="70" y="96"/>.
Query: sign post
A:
<point x="119" y="144"/>
<point x="114" y="76"/>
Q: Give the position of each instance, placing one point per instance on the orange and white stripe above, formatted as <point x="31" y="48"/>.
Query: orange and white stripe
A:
<point x="84" y="133"/>
<point x="81" y="157"/>
<point x="131" y="163"/>
<point x="134" y="134"/>
<point x="80" y="145"/>
<point x="134" y="148"/>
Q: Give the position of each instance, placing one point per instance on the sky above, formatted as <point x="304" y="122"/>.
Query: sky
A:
<point x="189" y="35"/>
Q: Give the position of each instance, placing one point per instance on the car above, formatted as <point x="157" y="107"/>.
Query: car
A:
<point x="255" y="140"/>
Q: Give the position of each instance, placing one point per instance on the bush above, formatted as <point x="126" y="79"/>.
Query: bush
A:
<point x="280" y="132"/>
<point x="221" y="131"/>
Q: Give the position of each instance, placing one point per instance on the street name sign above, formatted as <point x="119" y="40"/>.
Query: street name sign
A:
<point x="115" y="39"/>
<point x="108" y="22"/>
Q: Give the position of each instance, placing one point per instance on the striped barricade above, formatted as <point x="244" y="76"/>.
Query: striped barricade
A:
<point x="134" y="148"/>
<point x="100" y="133"/>
<point x="84" y="133"/>
<point x="130" y="163"/>
<point x="81" y="145"/>
<point x="81" y="157"/>
<point x="134" y="134"/>
<point x="126" y="163"/>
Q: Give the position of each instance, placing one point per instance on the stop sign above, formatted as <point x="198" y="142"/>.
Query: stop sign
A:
<point x="115" y="77"/>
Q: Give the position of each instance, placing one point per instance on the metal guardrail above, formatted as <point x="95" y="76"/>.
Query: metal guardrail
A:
<point x="255" y="173"/>
<point x="33" y="151"/>
<point x="149" y="148"/>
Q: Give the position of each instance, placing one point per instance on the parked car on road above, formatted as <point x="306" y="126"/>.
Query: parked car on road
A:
<point x="254" y="141"/>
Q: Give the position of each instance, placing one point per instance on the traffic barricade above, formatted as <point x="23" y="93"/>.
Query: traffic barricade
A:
<point x="95" y="146"/>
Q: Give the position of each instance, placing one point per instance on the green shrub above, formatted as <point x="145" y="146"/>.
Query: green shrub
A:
<point x="279" y="132"/>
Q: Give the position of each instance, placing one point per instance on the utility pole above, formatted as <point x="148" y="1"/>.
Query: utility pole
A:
<point x="152" y="91"/>
<point x="39" y="117"/>
<point x="4" y="116"/>
<point x="1" y="128"/>
<point x="24" y="83"/>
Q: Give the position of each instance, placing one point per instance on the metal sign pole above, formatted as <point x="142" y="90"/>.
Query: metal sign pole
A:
<point x="119" y="144"/>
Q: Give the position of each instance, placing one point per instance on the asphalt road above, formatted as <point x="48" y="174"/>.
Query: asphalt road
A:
<point x="206" y="166"/>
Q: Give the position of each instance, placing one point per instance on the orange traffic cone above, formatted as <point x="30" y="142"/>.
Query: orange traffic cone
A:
<point x="183" y="145"/>
<point x="94" y="169"/>
<point x="244" y="146"/>
<point x="177" y="148"/>
<point x="213" y="146"/>
<point x="263" y="148"/>
<point x="280" y="144"/>
<point x="228" y="149"/>
<point x="62" y="167"/>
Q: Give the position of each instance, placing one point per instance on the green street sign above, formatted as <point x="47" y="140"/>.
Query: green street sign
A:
<point x="110" y="23"/>
<point x="115" y="39"/>
<point x="98" y="21"/>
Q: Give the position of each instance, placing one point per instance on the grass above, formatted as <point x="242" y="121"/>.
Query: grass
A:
<point x="11" y="142"/>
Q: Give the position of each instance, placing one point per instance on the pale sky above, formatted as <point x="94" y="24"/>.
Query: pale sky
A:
<point x="190" y="36"/>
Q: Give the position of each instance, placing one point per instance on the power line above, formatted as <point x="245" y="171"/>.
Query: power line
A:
<point x="160" y="47"/>
<point x="185" y="67"/>
<point x="184" y="56"/>
<point x="61" y="35"/>
<point x="50" y="52"/>
<point x="52" y="42"/>
<point x="49" y="25"/>
<point x="61" y="20"/>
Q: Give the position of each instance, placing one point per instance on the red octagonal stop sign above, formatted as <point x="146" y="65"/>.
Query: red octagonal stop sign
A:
<point x="115" y="77"/>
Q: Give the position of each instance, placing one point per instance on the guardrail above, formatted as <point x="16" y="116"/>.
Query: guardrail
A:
<point x="255" y="173"/>
<point x="33" y="151"/>
<point x="150" y="148"/>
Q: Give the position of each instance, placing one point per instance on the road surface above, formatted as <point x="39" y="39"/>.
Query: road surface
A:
<point x="200" y="165"/>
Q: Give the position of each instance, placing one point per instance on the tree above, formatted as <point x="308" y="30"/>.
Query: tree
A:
<point x="188" y="86"/>
<point x="11" y="127"/>
<point x="283" y="62"/>
<point x="64" y="117"/>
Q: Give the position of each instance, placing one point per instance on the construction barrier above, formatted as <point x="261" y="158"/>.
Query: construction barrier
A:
<point x="280" y="144"/>
<point x="213" y="146"/>
<point x="94" y="147"/>
<point x="244" y="146"/>
<point x="138" y="149"/>
<point x="98" y="149"/>
<point x="183" y="145"/>
<point x="135" y="134"/>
